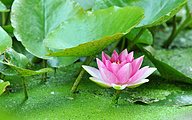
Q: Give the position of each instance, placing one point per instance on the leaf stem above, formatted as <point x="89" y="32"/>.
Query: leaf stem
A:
<point x="123" y="44"/>
<point x="170" y="39"/>
<point x="44" y="75"/>
<point x="55" y="72"/>
<point x="114" y="45"/>
<point x="24" y="87"/>
<point x="116" y="97"/>
<point x="80" y="69"/>
<point x="130" y="46"/>
<point x="7" y="18"/>
<point x="3" y="18"/>
<point x="176" y="31"/>
<point x="76" y="84"/>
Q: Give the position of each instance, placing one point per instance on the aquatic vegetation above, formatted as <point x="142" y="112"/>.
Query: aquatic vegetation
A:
<point x="74" y="36"/>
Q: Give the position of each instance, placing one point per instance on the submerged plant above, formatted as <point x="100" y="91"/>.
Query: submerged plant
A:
<point x="119" y="72"/>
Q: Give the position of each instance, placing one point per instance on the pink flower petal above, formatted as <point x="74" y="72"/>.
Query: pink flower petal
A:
<point x="100" y="82"/>
<point x="105" y="57"/>
<point x="119" y="87"/>
<point x="138" y="74"/>
<point x="137" y="83"/>
<point x="114" y="57"/>
<point x="148" y="72"/>
<point x="93" y="71"/>
<point x="136" y="64"/>
<point x="108" y="64"/>
<point x="130" y="57"/>
<point x="108" y="76"/>
<point x="124" y="73"/>
<point x="122" y="63"/>
<point x="123" y="55"/>
<point x="114" y="68"/>
<point x="100" y="64"/>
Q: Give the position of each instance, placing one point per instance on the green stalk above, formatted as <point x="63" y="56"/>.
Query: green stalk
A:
<point x="187" y="9"/>
<point x="186" y="22"/>
<point x="3" y="18"/>
<point x="116" y="97"/>
<point x="55" y="73"/>
<point x="123" y="44"/>
<point x="24" y="87"/>
<point x="44" y="75"/>
<point x="7" y="18"/>
<point x="130" y="46"/>
<point x="80" y="69"/>
<point x="114" y="46"/>
<point x="76" y="84"/>
<point x="170" y="39"/>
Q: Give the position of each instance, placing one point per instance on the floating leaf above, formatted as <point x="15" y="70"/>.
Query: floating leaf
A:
<point x="5" y="41"/>
<point x="43" y="17"/>
<point x="166" y="70"/>
<point x="91" y="32"/>
<point x="159" y="93"/>
<point x="17" y="59"/>
<point x="3" y="8"/>
<point x="146" y="37"/>
<point x="7" y="70"/>
<point x="3" y="85"/>
<point x="176" y="99"/>
<point x="86" y="4"/>
<point x="156" y="11"/>
<point x="25" y="72"/>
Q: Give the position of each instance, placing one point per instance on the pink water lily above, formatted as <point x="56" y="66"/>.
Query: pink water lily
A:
<point x="119" y="71"/>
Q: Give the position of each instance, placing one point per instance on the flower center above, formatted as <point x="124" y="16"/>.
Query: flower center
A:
<point x="117" y="63"/>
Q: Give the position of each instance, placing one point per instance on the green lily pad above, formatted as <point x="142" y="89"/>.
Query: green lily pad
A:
<point x="156" y="11"/>
<point x="3" y="8"/>
<point x="5" y="40"/>
<point x="17" y="59"/>
<point x="7" y="70"/>
<point x="19" y="63"/>
<point x="26" y="72"/>
<point x="91" y="32"/>
<point x="166" y="70"/>
<point x="43" y="17"/>
<point x="3" y="85"/>
<point x="146" y="37"/>
<point x="86" y="4"/>
<point x="159" y="92"/>
<point x="176" y="99"/>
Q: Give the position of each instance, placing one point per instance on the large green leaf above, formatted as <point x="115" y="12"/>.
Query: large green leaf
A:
<point x="3" y="85"/>
<point x="156" y="11"/>
<point x="166" y="70"/>
<point x="42" y="17"/>
<point x="86" y="4"/>
<point x="5" y="41"/>
<point x="93" y="31"/>
<point x="3" y="8"/>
